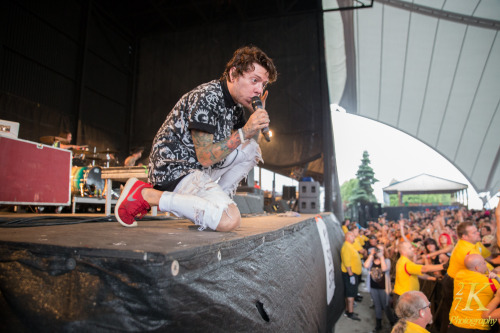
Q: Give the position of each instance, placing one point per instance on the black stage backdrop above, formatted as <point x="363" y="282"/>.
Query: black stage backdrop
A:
<point x="110" y="71"/>
<point x="65" y="65"/>
<point x="173" y="63"/>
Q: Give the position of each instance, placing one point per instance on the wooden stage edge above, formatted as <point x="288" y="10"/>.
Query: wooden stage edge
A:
<point x="162" y="235"/>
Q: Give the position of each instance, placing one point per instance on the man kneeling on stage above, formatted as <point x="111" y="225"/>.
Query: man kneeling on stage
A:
<point x="205" y="148"/>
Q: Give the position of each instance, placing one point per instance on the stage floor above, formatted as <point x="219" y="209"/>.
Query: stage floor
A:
<point x="65" y="272"/>
<point x="160" y="234"/>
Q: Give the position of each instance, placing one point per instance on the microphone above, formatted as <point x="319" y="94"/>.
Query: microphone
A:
<point x="257" y="104"/>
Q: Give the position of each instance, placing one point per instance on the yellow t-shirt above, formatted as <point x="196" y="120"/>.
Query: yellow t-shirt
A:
<point x="414" y="328"/>
<point x="461" y="250"/>
<point x="472" y="291"/>
<point x="362" y="239"/>
<point x="350" y="258"/>
<point x="483" y="250"/>
<point x="357" y="244"/>
<point x="407" y="273"/>
<point x="344" y="229"/>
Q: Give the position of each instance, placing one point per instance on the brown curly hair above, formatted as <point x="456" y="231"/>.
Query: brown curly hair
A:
<point x="243" y="60"/>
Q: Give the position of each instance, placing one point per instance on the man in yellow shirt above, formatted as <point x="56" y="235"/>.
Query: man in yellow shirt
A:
<point x="351" y="270"/>
<point x="467" y="244"/>
<point x="358" y="241"/>
<point x="468" y="237"/>
<point x="414" y="313"/>
<point x="363" y="238"/>
<point x="407" y="272"/>
<point x="473" y="290"/>
<point x="345" y="226"/>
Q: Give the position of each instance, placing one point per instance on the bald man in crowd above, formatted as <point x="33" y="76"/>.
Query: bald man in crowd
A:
<point x="408" y="272"/>
<point x="468" y="236"/>
<point x="474" y="288"/>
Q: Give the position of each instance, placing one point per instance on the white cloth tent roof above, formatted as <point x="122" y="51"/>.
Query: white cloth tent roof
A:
<point x="430" y="68"/>
<point x="425" y="184"/>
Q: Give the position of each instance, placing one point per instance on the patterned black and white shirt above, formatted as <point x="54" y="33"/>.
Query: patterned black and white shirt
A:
<point x="209" y="108"/>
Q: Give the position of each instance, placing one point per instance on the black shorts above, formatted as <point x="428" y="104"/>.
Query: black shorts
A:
<point x="169" y="187"/>
<point x="350" y="290"/>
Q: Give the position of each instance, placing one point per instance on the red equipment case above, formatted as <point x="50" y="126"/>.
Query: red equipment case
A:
<point x="34" y="174"/>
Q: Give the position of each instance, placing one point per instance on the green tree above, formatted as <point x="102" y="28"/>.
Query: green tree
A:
<point x="363" y="193"/>
<point x="347" y="189"/>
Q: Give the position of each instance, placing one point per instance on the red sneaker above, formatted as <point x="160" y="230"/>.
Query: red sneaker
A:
<point x="131" y="203"/>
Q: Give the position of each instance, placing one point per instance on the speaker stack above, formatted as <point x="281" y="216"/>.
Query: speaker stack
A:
<point x="309" y="197"/>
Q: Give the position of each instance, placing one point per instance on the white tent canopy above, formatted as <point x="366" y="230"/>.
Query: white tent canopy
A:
<point x="425" y="184"/>
<point x="430" y="68"/>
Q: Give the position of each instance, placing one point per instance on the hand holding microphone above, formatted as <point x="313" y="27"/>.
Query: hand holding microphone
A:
<point x="257" y="104"/>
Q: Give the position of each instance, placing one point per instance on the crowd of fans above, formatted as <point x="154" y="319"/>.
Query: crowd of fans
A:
<point x="449" y="257"/>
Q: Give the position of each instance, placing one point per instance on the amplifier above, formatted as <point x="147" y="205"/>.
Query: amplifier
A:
<point x="34" y="174"/>
<point x="309" y="189"/>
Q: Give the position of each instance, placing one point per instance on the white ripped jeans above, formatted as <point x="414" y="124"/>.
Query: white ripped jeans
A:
<point x="203" y="195"/>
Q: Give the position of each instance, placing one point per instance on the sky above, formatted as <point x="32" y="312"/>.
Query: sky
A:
<point x="393" y="155"/>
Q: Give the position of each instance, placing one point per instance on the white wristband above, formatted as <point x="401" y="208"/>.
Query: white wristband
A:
<point x="242" y="137"/>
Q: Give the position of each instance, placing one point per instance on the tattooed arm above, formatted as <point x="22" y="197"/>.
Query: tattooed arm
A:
<point x="209" y="153"/>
